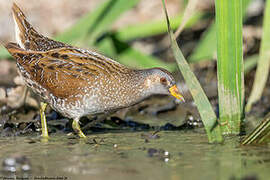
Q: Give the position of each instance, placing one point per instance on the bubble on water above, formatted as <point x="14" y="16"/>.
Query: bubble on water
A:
<point x="9" y="162"/>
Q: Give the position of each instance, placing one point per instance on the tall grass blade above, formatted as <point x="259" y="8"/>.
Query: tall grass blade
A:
<point x="97" y="22"/>
<point x="143" y="30"/>
<point x="135" y="58"/>
<point x="189" y="11"/>
<point x="207" y="46"/>
<point x="261" y="134"/>
<point x="264" y="60"/>
<point x="125" y="54"/>
<point x="250" y="63"/>
<point x="204" y="107"/>
<point x="230" y="64"/>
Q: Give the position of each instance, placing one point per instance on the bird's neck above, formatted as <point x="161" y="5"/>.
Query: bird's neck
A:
<point x="134" y="85"/>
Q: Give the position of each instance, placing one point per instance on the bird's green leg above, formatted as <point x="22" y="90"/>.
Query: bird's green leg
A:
<point x="43" y="120"/>
<point x="76" y="127"/>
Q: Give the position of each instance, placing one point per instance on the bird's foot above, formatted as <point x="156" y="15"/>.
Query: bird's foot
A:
<point x="76" y="127"/>
<point x="43" y="120"/>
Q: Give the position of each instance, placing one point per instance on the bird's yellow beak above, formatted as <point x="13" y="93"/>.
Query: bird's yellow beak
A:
<point x="175" y="92"/>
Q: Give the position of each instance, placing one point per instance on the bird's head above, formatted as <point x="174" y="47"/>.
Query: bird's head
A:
<point x="161" y="81"/>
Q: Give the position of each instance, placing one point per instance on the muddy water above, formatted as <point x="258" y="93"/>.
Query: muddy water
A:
<point x="174" y="155"/>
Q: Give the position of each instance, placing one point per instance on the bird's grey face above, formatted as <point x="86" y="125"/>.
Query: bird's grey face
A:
<point x="160" y="81"/>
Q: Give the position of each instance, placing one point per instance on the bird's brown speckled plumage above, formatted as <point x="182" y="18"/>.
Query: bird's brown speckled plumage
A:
<point x="70" y="78"/>
<point x="77" y="82"/>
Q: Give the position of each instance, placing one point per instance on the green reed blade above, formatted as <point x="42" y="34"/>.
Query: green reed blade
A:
<point x="207" y="46"/>
<point x="190" y="10"/>
<point x="96" y="22"/>
<point x="250" y="63"/>
<point x="136" y="31"/>
<point x="129" y="56"/>
<point x="264" y="60"/>
<point x="261" y="134"/>
<point x="204" y="107"/>
<point x="230" y="64"/>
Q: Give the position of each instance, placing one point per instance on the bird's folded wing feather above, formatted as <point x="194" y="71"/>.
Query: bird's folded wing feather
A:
<point x="63" y="72"/>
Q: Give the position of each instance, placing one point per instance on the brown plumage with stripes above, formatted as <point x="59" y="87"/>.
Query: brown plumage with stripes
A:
<point x="77" y="82"/>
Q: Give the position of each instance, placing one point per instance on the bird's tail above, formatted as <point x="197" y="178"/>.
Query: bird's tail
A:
<point x="27" y="37"/>
<point x="23" y="28"/>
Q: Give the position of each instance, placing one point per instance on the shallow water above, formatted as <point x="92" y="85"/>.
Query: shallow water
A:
<point x="184" y="155"/>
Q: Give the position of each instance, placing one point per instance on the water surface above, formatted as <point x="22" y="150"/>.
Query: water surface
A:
<point x="128" y="155"/>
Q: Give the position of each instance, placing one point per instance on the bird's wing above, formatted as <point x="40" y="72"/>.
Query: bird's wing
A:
<point x="63" y="72"/>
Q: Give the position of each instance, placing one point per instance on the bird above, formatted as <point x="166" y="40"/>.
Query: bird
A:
<point x="77" y="82"/>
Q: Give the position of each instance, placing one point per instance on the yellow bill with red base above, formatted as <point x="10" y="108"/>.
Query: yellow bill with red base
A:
<point x="175" y="92"/>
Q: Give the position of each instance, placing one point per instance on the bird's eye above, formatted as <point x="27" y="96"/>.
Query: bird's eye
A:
<point x="163" y="81"/>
